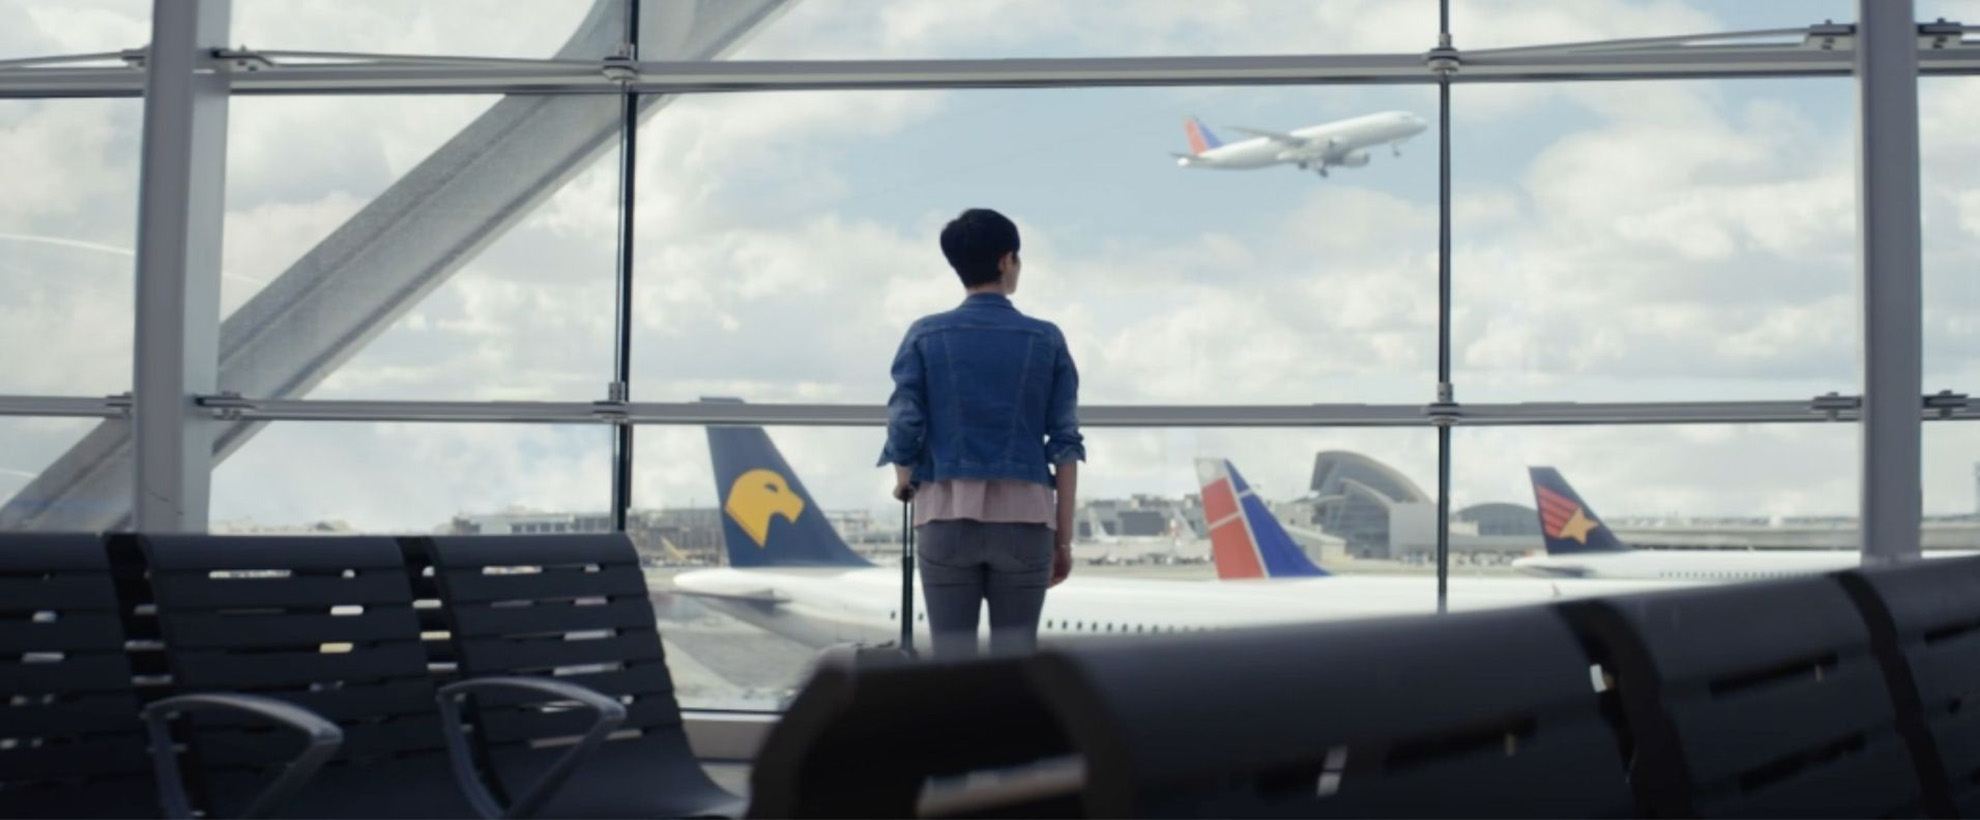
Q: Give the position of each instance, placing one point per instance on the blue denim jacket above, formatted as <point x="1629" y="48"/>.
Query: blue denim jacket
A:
<point x="983" y="391"/>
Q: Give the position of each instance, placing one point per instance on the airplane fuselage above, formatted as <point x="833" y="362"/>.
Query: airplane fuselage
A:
<point x="1342" y="143"/>
<point x="823" y="607"/>
<point x="1697" y="565"/>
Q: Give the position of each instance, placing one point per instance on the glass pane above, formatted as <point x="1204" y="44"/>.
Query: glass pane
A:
<point x="955" y="29"/>
<point x="374" y="477"/>
<point x="787" y="241"/>
<point x="1948" y="118"/>
<point x="1143" y="541"/>
<point x="478" y="28"/>
<point x="27" y="447"/>
<point x="434" y="247"/>
<point x="66" y="260"/>
<point x="43" y="28"/>
<point x="1505" y="23"/>
<point x="1689" y="503"/>
<point x="1952" y="486"/>
<point x="1655" y="241"/>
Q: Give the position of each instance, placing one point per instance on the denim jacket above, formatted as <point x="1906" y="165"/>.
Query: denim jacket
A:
<point x="983" y="392"/>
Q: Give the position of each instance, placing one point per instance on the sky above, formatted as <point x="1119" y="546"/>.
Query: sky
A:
<point x="1613" y="242"/>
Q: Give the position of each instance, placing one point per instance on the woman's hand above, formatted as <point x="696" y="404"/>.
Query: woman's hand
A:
<point x="903" y="483"/>
<point x="1062" y="562"/>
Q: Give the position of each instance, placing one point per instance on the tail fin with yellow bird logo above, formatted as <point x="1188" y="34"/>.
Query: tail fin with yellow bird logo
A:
<point x="1567" y="523"/>
<point x="768" y="519"/>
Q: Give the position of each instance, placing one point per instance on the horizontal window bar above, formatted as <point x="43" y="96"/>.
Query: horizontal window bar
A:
<point x="69" y="406"/>
<point x="1822" y="409"/>
<point x="376" y="74"/>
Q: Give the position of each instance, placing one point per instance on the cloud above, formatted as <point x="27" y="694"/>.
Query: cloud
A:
<point x="1642" y="240"/>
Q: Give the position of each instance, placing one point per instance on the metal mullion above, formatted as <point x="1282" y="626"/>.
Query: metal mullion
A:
<point x="621" y="388"/>
<point x="1585" y="61"/>
<point x="1260" y="416"/>
<point x="63" y="406"/>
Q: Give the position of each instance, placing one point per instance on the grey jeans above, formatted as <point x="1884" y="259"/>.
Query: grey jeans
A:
<point x="967" y="563"/>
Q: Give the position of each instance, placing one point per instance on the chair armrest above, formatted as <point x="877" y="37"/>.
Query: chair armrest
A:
<point x="322" y="740"/>
<point x="611" y="713"/>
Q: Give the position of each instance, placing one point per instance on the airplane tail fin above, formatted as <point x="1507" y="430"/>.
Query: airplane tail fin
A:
<point x="1245" y="540"/>
<point x="1567" y="523"/>
<point x="1201" y="138"/>
<point x="768" y="518"/>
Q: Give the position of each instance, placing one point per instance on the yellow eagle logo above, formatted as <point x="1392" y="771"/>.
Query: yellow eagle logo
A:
<point x="755" y="497"/>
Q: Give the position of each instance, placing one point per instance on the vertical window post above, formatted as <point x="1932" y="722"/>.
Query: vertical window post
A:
<point x="1887" y="207"/>
<point x="1444" y="61"/>
<point x="181" y="207"/>
<point x="621" y="390"/>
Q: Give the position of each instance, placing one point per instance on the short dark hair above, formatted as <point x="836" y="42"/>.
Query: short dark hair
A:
<point x="975" y="241"/>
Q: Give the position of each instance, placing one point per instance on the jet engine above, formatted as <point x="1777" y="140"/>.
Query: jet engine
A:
<point x="1354" y="159"/>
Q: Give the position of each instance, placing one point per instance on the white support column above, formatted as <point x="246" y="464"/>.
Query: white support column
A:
<point x="1887" y="205"/>
<point x="181" y="205"/>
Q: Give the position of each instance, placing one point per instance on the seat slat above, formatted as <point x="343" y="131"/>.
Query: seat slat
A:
<point x="468" y="586"/>
<point x="175" y="553"/>
<point x="74" y="630"/>
<point x="66" y="591"/>
<point x="1735" y="734"/>
<point x="1946" y="671"/>
<point x="112" y="756"/>
<point x="215" y="630"/>
<point x="481" y="621"/>
<point x="54" y="551"/>
<point x="235" y="747"/>
<point x="396" y="698"/>
<point x="75" y="673"/>
<point x="462" y="552"/>
<point x="483" y="653"/>
<point x="72" y="716"/>
<point x="510" y="725"/>
<point x="214" y="670"/>
<point x="644" y="678"/>
<point x="1875" y="782"/>
<point x="183" y="591"/>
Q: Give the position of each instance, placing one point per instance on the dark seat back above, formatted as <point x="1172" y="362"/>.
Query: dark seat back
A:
<point x="1754" y="700"/>
<point x="1349" y="719"/>
<point x="863" y="740"/>
<point x="1926" y="616"/>
<point x="71" y="744"/>
<point x="574" y="608"/>
<point x="324" y="623"/>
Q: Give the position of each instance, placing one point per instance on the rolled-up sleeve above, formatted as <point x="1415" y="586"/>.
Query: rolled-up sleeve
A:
<point x="907" y="408"/>
<point x="1063" y="442"/>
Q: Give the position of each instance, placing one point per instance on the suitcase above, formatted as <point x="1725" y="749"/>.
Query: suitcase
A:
<point x="858" y="656"/>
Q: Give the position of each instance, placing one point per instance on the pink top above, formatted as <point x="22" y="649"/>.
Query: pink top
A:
<point x="997" y="501"/>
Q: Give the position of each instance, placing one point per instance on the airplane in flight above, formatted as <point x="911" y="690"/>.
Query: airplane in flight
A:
<point x="1342" y="144"/>
<point x="790" y="573"/>
<point x="1580" y="546"/>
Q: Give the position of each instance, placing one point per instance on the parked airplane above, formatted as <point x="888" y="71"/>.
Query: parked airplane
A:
<point x="1343" y="143"/>
<point x="1579" y="545"/>
<point x="791" y="574"/>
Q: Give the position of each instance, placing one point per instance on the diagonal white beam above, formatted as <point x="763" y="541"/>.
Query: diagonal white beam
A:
<point x="408" y="241"/>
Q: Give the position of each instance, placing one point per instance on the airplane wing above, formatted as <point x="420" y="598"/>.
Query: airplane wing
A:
<point x="1276" y="136"/>
<point x="763" y="599"/>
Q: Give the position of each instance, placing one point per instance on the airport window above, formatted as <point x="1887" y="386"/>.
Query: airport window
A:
<point x="434" y="322"/>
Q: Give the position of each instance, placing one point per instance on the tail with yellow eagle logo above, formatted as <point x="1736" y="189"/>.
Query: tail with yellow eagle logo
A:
<point x="768" y="519"/>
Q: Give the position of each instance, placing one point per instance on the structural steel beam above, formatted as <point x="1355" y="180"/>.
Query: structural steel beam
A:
<point x="1816" y="51"/>
<point x="401" y="246"/>
<point x="1888" y="237"/>
<point x="181" y="208"/>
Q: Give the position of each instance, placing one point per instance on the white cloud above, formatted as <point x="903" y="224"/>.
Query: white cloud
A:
<point x="1660" y="240"/>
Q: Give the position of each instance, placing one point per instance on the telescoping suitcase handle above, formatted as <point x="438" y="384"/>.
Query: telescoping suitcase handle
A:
<point x="907" y="578"/>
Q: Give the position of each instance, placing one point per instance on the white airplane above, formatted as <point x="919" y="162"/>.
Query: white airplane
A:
<point x="1580" y="546"/>
<point x="791" y="574"/>
<point x="1343" y="143"/>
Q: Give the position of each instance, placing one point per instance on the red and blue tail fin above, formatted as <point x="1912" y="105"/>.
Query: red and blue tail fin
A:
<point x="1568" y="523"/>
<point x="1201" y="138"/>
<point x="1245" y="540"/>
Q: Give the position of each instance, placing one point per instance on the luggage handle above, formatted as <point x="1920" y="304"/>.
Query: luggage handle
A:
<point x="907" y="577"/>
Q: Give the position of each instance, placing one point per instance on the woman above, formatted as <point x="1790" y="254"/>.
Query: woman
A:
<point x="983" y="433"/>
